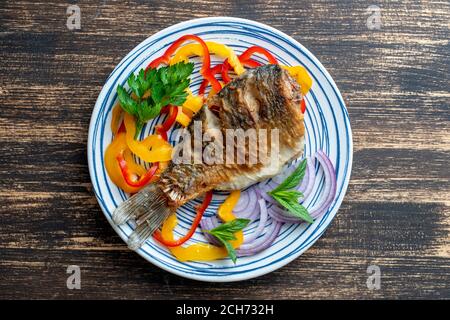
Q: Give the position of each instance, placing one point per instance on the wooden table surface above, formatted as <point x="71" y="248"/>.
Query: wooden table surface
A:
<point x="396" y="213"/>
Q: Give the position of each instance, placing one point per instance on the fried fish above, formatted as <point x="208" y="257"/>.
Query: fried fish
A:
<point x="262" y="100"/>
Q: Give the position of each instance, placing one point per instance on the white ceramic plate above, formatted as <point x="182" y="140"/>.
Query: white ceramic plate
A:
<point x="327" y="128"/>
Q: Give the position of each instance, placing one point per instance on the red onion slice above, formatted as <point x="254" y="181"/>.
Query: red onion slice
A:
<point x="263" y="188"/>
<point x="247" y="204"/>
<point x="252" y="200"/>
<point x="309" y="179"/>
<point x="281" y="215"/>
<point x="243" y="201"/>
<point x="330" y="186"/>
<point x="255" y="214"/>
<point x="262" y="222"/>
<point x="261" y="243"/>
<point x="208" y="223"/>
<point x="306" y="186"/>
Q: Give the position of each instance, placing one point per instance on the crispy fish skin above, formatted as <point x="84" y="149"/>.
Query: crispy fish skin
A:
<point x="266" y="97"/>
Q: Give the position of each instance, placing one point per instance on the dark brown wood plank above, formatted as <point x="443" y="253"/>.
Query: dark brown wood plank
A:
<point x="396" y="213"/>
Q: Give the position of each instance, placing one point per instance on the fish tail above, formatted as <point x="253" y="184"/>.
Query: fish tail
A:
<point x="149" y="208"/>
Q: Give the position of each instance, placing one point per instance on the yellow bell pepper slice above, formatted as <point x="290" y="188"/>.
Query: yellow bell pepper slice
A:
<point x="212" y="91"/>
<point x="300" y="74"/>
<point x="225" y="213"/>
<point x="132" y="165"/>
<point x="115" y="118"/>
<point x="151" y="149"/>
<point x="193" y="252"/>
<point x="117" y="146"/>
<point x="182" y="118"/>
<point x="192" y="104"/>
<point x="204" y="251"/>
<point x="218" y="49"/>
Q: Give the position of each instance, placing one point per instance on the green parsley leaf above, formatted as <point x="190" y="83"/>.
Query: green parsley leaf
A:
<point x="225" y="233"/>
<point x="154" y="90"/>
<point x="126" y="102"/>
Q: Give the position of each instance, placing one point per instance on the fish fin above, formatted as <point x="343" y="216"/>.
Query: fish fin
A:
<point x="147" y="228"/>
<point x="149" y="208"/>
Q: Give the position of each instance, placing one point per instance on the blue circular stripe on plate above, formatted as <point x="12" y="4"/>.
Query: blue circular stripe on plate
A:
<point x="264" y="33"/>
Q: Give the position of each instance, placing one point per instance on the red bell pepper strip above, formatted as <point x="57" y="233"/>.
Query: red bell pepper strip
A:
<point x="127" y="175"/>
<point x="165" y="109"/>
<point x="215" y="70"/>
<point x="223" y="69"/>
<point x="161" y="132"/>
<point x="121" y="127"/>
<point x="200" y="211"/>
<point x="202" y="89"/>
<point x="205" y="71"/>
<point x="226" y="67"/>
<point x="255" y="49"/>
<point x="244" y="58"/>
<point x="166" y="125"/>
<point x="251" y="63"/>
<point x="162" y="129"/>
<point x="303" y="105"/>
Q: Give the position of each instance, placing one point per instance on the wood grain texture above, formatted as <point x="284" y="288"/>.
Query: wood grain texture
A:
<point x="396" y="213"/>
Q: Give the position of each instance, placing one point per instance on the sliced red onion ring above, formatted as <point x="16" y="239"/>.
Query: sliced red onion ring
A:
<point x="263" y="188"/>
<point x="281" y="215"/>
<point x="255" y="214"/>
<point x="244" y="200"/>
<point x="208" y="223"/>
<point x="261" y="243"/>
<point x="307" y="184"/>
<point x="262" y="222"/>
<point x="330" y="186"/>
<point x="247" y="204"/>
<point x="305" y="187"/>
<point x="252" y="200"/>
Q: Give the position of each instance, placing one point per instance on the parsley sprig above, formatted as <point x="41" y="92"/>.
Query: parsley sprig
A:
<point x="288" y="198"/>
<point x="225" y="233"/>
<point x="152" y="90"/>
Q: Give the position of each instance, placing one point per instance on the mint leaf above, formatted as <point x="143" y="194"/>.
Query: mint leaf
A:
<point x="290" y="194"/>
<point x="230" y="250"/>
<point x="294" y="179"/>
<point x="287" y="197"/>
<point x="295" y="208"/>
<point x="232" y="226"/>
<point x="226" y="232"/>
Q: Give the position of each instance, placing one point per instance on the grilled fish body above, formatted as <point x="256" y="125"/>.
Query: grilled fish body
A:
<point x="262" y="99"/>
